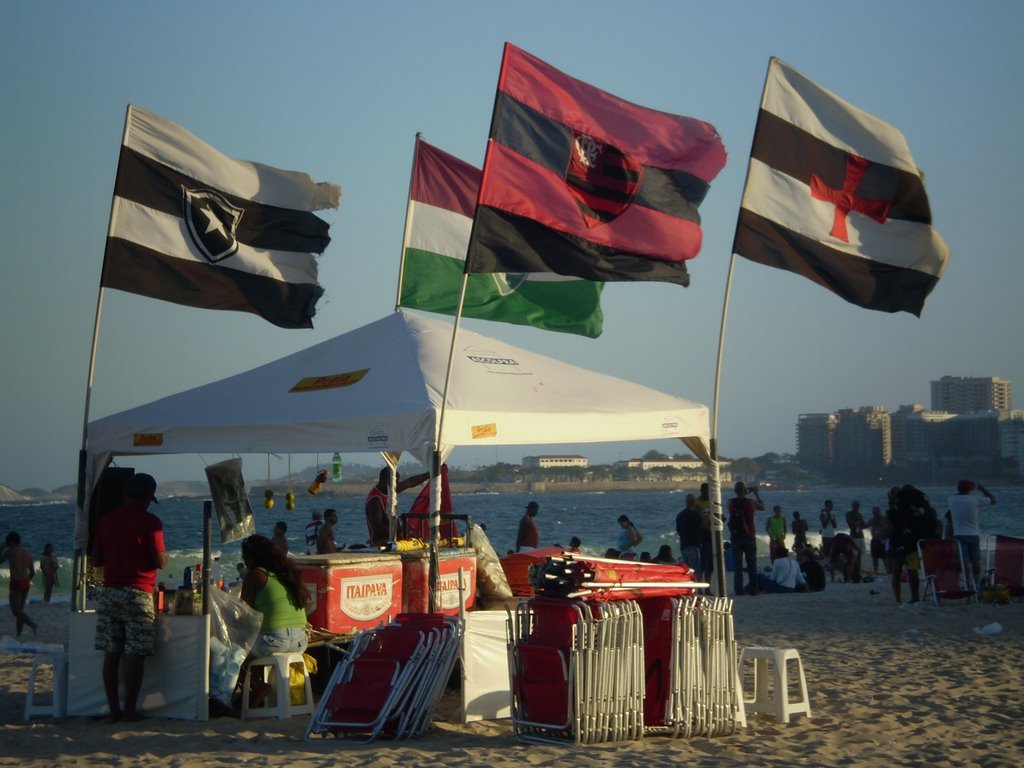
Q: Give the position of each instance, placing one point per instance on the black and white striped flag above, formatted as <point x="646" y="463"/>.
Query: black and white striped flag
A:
<point x="194" y="227"/>
<point x="833" y="194"/>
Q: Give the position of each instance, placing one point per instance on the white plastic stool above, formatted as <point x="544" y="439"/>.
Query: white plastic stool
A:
<point x="58" y="707"/>
<point x="762" y="700"/>
<point x="279" y="701"/>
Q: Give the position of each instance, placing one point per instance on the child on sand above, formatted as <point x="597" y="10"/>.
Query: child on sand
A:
<point x="48" y="564"/>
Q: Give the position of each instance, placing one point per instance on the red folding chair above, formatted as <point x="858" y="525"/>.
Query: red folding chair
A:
<point x="1006" y="564"/>
<point x="542" y="642"/>
<point x="370" y="684"/>
<point x="942" y="570"/>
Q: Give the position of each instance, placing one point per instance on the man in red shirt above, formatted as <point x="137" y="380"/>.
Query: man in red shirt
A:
<point x="744" y="536"/>
<point x="528" y="536"/>
<point x="129" y="545"/>
<point x="377" y="507"/>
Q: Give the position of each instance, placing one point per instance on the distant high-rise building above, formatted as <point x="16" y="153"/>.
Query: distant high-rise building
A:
<point x="898" y="431"/>
<point x="1011" y="440"/>
<point x="971" y="429"/>
<point x="962" y="394"/>
<point x="814" y="440"/>
<point x="862" y="446"/>
<point x="922" y="435"/>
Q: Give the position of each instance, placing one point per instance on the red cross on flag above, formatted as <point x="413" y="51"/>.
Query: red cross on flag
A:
<point x="833" y="194"/>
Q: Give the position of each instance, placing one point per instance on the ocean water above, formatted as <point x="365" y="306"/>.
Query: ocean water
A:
<point x="590" y="516"/>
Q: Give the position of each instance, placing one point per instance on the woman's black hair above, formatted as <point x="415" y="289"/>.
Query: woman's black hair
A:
<point x="261" y="552"/>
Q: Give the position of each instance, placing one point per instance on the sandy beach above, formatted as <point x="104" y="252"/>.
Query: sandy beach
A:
<point x="889" y="685"/>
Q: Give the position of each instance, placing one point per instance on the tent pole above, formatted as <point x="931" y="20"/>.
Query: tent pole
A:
<point x="434" y="597"/>
<point x="715" y="482"/>
<point x="392" y="458"/>
<point x="207" y="582"/>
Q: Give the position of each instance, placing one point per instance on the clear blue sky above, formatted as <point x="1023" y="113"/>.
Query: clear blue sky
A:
<point x="339" y="89"/>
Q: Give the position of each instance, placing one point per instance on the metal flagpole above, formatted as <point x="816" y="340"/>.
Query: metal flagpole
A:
<point x="435" y="464"/>
<point x="435" y="461"/>
<point x="80" y="564"/>
<point x="390" y="459"/>
<point x="715" y="481"/>
<point x="408" y="216"/>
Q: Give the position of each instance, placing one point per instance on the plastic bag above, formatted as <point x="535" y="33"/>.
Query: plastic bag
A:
<point x="297" y="679"/>
<point x="234" y="627"/>
<point x="490" y="577"/>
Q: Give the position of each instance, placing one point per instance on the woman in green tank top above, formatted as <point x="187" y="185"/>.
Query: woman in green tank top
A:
<point x="273" y="586"/>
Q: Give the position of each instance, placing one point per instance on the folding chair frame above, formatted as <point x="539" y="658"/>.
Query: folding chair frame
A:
<point x="421" y="670"/>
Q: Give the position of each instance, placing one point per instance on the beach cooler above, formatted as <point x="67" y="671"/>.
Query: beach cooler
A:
<point x="416" y="579"/>
<point x="352" y="590"/>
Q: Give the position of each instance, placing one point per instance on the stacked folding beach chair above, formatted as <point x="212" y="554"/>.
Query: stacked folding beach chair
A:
<point x="391" y="680"/>
<point x="608" y="647"/>
<point x="692" y="686"/>
<point x="576" y="671"/>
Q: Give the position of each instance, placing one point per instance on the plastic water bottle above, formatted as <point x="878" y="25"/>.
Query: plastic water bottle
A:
<point x="336" y="467"/>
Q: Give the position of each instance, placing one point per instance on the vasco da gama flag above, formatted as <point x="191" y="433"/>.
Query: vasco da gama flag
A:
<point x="833" y="194"/>
<point x="442" y="197"/>
<point x="193" y="227"/>
<point x="580" y="182"/>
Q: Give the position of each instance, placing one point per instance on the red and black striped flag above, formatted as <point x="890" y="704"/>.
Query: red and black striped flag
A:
<point x="580" y="182"/>
<point x="833" y="194"/>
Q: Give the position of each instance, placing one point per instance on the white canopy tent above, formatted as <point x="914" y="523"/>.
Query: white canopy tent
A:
<point x="380" y="388"/>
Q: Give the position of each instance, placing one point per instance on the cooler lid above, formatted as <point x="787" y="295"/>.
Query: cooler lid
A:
<point x="347" y="558"/>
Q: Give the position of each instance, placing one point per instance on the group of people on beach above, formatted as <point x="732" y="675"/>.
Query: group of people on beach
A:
<point x="795" y="567"/>
<point x="909" y="518"/>
<point x="23" y="569"/>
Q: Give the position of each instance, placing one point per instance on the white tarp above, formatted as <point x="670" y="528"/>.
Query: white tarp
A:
<point x="485" y="678"/>
<point x="379" y="388"/>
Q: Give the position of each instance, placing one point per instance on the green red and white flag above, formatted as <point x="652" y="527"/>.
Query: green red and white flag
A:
<point x="442" y="200"/>
<point x="833" y="194"/>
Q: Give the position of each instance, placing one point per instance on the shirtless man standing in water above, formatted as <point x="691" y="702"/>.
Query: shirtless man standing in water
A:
<point x="22" y="571"/>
